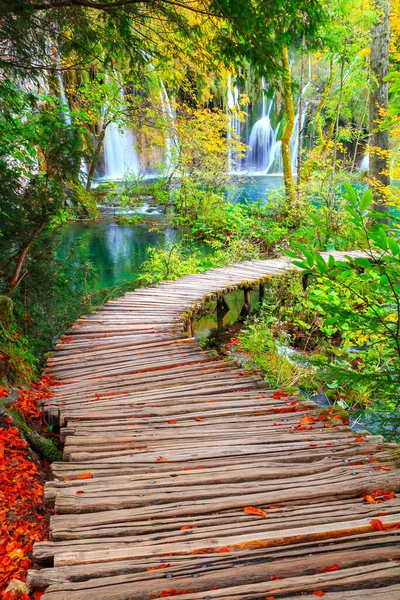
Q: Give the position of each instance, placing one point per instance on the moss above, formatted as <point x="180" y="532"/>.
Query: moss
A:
<point x="6" y="312"/>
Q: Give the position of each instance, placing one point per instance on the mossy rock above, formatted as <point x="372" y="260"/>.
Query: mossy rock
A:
<point x="6" y="312"/>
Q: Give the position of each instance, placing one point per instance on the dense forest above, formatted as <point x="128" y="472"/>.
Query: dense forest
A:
<point x="144" y="140"/>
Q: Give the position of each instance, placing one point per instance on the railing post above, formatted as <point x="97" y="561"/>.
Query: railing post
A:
<point x="247" y="304"/>
<point x="261" y="292"/>
<point x="222" y="310"/>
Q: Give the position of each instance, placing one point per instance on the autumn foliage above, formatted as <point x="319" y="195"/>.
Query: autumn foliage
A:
<point x="22" y="515"/>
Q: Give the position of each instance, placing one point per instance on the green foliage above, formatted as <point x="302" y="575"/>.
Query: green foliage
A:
<point x="358" y="300"/>
<point x="210" y="217"/>
<point x="258" y="340"/>
<point x="183" y="258"/>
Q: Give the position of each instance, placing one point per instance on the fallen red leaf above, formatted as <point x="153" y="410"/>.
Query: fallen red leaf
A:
<point x="307" y="420"/>
<point x="253" y="510"/>
<point x="82" y="476"/>
<point x="318" y="593"/>
<point x="330" y="568"/>
<point x="173" y="422"/>
<point x="161" y="458"/>
<point x="359" y="439"/>
<point x="379" y="526"/>
<point x="162" y="566"/>
<point x="378" y="496"/>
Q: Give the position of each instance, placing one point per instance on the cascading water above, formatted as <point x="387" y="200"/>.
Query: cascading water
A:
<point x="262" y="140"/>
<point x="171" y="138"/>
<point x="63" y="96"/>
<point x="120" y="156"/>
<point x="234" y="120"/>
<point x="364" y="164"/>
<point x="263" y="145"/>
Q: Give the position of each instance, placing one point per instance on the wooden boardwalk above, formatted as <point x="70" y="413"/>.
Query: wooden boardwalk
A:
<point x="166" y="448"/>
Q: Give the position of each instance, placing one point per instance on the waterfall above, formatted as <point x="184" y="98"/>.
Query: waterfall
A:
<point x="120" y="156"/>
<point x="171" y="137"/>
<point x="262" y="141"/>
<point x="296" y="138"/>
<point x="294" y="143"/>
<point x="63" y="96"/>
<point x="364" y="164"/>
<point x="263" y="145"/>
<point x="234" y="119"/>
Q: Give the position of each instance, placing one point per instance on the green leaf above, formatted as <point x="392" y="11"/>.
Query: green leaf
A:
<point x="321" y="264"/>
<point x="393" y="245"/>
<point x="353" y="212"/>
<point x="330" y="320"/>
<point x="351" y="194"/>
<point x="366" y="200"/>
<point x="363" y="262"/>
<point x="291" y="254"/>
<point x="331" y="261"/>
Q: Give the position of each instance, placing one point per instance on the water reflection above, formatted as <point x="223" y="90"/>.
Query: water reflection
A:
<point x="116" y="251"/>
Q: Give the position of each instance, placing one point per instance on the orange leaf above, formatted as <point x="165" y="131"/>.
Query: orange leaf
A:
<point x="253" y="510"/>
<point x="173" y="422"/>
<point x="198" y="419"/>
<point x="223" y="550"/>
<point x="381" y="468"/>
<point x="359" y="439"/>
<point x="162" y="566"/>
<point x="161" y="458"/>
<point x="85" y="476"/>
<point x="80" y="492"/>
<point x="330" y="568"/>
<point x="269" y="597"/>
<point x="185" y="527"/>
<point x="318" y="593"/>
<point x="306" y="420"/>
<point x="369" y="498"/>
<point x="377" y="524"/>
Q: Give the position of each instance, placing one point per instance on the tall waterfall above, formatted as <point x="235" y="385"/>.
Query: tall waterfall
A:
<point x="120" y="156"/>
<point x="234" y="120"/>
<point x="171" y="137"/>
<point x="262" y="140"/>
<point x="364" y="164"/>
<point x="63" y="96"/>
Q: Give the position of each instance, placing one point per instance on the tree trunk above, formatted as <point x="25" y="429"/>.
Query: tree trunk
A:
<point x="22" y="256"/>
<point x="322" y="102"/>
<point x="37" y="442"/>
<point x="96" y="155"/>
<point x="300" y="117"/>
<point x="288" y="130"/>
<point x="379" y="137"/>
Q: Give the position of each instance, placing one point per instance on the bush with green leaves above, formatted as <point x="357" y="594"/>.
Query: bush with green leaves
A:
<point x="359" y="299"/>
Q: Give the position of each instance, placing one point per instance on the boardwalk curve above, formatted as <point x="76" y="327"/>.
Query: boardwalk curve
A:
<point x="168" y="450"/>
